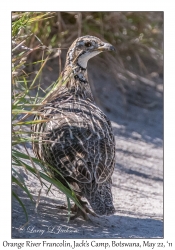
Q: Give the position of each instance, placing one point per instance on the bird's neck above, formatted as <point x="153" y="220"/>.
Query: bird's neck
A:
<point x="75" y="79"/>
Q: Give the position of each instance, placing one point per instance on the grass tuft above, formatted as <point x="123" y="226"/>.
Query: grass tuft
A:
<point x="25" y="105"/>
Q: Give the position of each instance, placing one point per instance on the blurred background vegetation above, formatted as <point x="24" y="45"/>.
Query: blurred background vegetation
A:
<point x="137" y="36"/>
<point x="40" y="41"/>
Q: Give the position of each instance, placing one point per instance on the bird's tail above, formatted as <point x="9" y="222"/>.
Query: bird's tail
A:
<point x="100" y="198"/>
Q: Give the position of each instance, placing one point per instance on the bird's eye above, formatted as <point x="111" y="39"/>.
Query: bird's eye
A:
<point x="88" y="44"/>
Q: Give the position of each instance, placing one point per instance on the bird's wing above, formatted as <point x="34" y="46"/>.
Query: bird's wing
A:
<point x="79" y="144"/>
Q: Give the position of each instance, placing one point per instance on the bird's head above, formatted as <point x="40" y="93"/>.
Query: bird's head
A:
<point x="84" y="48"/>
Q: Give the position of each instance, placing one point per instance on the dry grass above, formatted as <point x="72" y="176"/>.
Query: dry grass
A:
<point x="40" y="36"/>
<point x="137" y="36"/>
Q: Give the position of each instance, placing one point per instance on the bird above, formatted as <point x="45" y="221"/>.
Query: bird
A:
<point x="77" y="139"/>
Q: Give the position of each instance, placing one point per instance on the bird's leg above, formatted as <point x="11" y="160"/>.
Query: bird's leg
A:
<point x="77" y="211"/>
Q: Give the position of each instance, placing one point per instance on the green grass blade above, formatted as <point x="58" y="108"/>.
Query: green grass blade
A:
<point x="15" y="180"/>
<point x="29" y="122"/>
<point x="21" y="203"/>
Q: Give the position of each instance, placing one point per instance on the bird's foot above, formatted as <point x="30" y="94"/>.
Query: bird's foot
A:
<point x="78" y="211"/>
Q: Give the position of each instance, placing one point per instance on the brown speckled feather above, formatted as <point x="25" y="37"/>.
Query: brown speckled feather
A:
<point x="77" y="139"/>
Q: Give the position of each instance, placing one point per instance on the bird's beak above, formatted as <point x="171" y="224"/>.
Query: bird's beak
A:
<point x="106" y="47"/>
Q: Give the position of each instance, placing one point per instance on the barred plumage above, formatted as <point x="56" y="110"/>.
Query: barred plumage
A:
<point x="77" y="139"/>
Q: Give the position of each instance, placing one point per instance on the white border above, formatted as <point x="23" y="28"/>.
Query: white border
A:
<point x="169" y="96"/>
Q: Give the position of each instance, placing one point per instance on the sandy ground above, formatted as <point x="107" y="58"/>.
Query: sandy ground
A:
<point x="137" y="179"/>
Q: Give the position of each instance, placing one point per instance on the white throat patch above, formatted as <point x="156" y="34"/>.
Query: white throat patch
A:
<point x="83" y="59"/>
